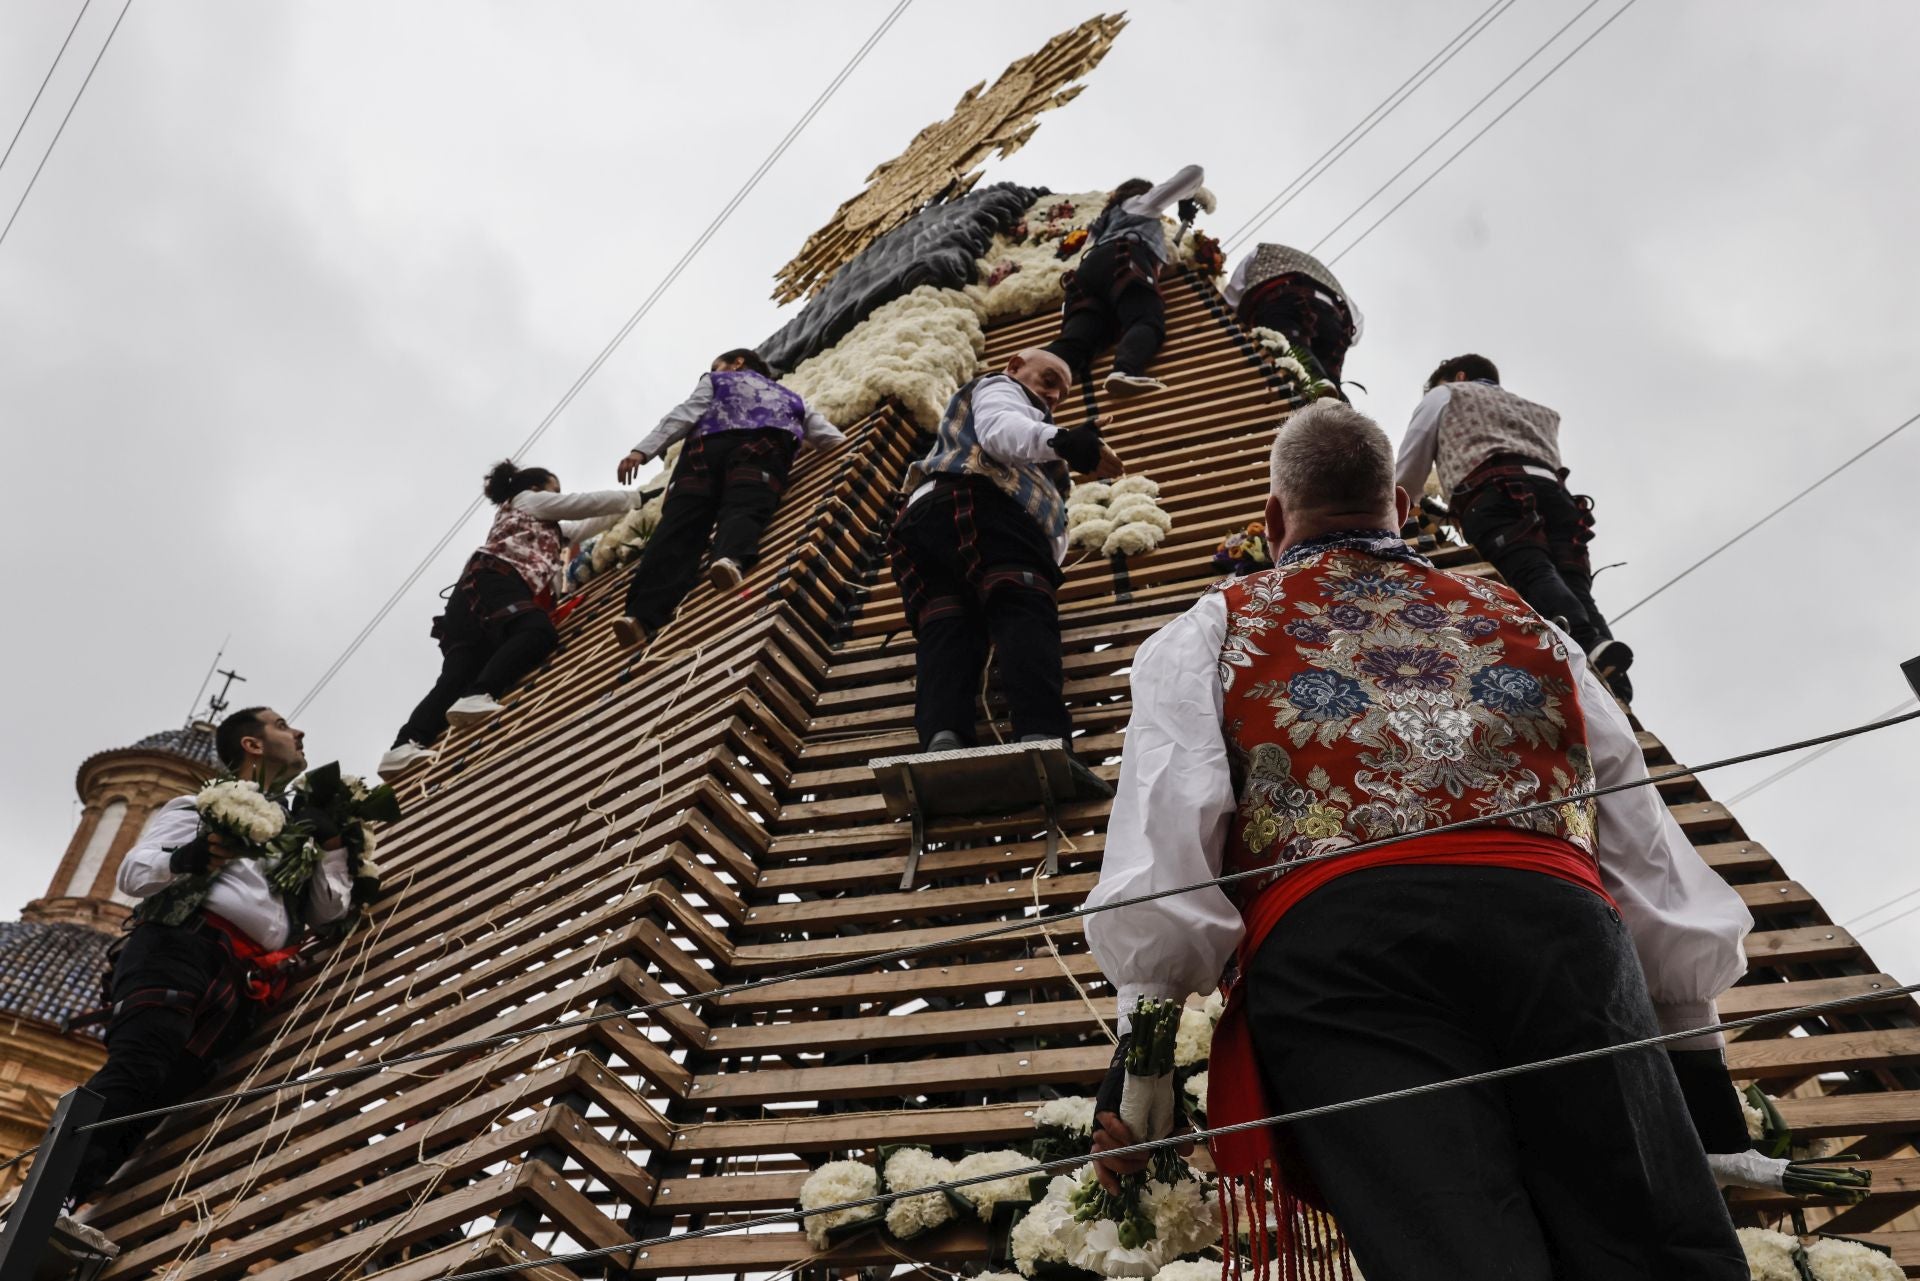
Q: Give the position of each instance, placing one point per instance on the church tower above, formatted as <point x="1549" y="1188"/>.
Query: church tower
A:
<point x="53" y="958"/>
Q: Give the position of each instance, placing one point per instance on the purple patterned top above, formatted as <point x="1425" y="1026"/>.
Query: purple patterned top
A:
<point x="746" y="401"/>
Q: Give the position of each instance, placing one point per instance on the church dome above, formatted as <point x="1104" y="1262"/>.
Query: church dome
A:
<point x="50" y="972"/>
<point x="195" y="742"/>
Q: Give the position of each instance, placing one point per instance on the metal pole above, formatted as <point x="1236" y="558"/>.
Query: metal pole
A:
<point x="29" y="1226"/>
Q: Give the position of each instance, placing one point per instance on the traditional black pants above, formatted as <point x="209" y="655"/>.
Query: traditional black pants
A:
<point x="975" y="571"/>
<point x="1536" y="534"/>
<point x="148" y="1065"/>
<point x="1402" y="976"/>
<point x="726" y="488"/>
<point x="1112" y="301"/>
<point x="491" y="637"/>
<point x="1295" y="308"/>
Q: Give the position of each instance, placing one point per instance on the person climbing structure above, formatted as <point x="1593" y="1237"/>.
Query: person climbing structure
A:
<point x="977" y="550"/>
<point x="1355" y="691"/>
<point x="743" y="429"/>
<point x="497" y="627"/>
<point x="1113" y="294"/>
<point x="1297" y="296"/>
<point x="210" y="949"/>
<point x="1498" y="456"/>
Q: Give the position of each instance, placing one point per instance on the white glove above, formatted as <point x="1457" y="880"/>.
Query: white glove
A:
<point x="1748" y="1170"/>
<point x="1204" y="199"/>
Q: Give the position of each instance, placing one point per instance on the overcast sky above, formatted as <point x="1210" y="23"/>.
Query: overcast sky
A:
<point x="297" y="273"/>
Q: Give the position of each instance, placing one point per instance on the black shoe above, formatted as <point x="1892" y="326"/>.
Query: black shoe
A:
<point x="945" y="741"/>
<point x="1610" y="656"/>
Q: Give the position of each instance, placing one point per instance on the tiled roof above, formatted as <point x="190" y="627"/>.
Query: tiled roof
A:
<point x="192" y="742"/>
<point x="50" y="972"/>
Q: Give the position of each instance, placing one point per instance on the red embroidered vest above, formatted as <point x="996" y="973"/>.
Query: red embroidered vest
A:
<point x="1369" y="697"/>
<point x="531" y="548"/>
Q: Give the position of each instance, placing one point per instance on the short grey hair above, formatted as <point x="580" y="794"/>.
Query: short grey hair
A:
<point x="1331" y="457"/>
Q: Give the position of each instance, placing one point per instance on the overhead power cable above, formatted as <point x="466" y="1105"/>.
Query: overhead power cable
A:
<point x="1017" y="926"/>
<point x="1769" y="516"/>
<point x="1194" y="1136"/>
<point x="613" y="344"/>
<point x="1810" y="758"/>
<point x="78" y="94"/>
<point x="1504" y="112"/>
<point x="45" y="81"/>
<point x="1367" y="124"/>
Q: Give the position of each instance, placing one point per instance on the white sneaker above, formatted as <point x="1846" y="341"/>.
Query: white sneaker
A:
<point x="725" y="575"/>
<point x="402" y="758"/>
<point x="1132" y="384"/>
<point x="473" y="709"/>
<point x="631" y="632"/>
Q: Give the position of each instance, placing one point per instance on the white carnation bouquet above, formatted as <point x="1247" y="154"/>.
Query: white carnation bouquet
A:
<point x="1775" y="1256"/>
<point x="832" y="1183"/>
<point x="904" y="1170"/>
<point x="1782" y="1164"/>
<point x="1119" y="519"/>
<point x="240" y="811"/>
<point x="1292" y="361"/>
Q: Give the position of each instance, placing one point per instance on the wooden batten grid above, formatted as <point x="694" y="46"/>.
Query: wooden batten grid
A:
<point x="639" y="826"/>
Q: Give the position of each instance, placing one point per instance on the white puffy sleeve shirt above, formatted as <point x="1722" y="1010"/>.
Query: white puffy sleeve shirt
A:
<point x="1175" y="802"/>
<point x="579" y="515"/>
<point x="240" y="893"/>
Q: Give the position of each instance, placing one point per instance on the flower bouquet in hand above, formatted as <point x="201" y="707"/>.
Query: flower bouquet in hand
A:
<point x="1774" y="1166"/>
<point x="1139" y="1090"/>
<point x="329" y="805"/>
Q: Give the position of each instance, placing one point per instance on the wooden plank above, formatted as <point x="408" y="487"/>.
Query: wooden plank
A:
<point x="908" y="1079"/>
<point x="1792" y="1056"/>
<point x="993" y="1122"/>
<point x="1879" y="1112"/>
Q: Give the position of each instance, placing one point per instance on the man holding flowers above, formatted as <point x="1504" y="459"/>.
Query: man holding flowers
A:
<point x="215" y="934"/>
<point x="1282" y="727"/>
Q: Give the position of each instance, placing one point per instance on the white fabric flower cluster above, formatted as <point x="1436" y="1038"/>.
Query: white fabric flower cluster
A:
<point x="238" y="808"/>
<point x="1026" y="271"/>
<point x="1121" y="519"/>
<point x="1192" y="1270"/>
<point x="832" y="1183"/>
<point x="918" y="348"/>
<point x="1769" y="1254"/>
<point x="1071" y="1115"/>
<point x="984" y="1196"/>
<point x="910" y="1168"/>
<point x="1835" y="1260"/>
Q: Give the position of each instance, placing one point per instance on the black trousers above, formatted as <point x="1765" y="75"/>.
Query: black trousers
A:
<point x="1311" y="323"/>
<point x="1112" y="305"/>
<point x="725" y="489"/>
<point x="1536" y="534"/>
<point x="977" y="572"/>
<point x="481" y="651"/>
<point x="148" y="1065"/>
<point x="1401" y="976"/>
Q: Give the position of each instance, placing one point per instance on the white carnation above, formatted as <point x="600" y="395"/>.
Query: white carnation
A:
<point x="1769" y="1254"/>
<point x="1142" y="510"/>
<point x="1048" y="1233"/>
<point x="1091" y="534"/>
<point x="918" y="348"/>
<point x="1131" y="539"/>
<point x="1185" y="1214"/>
<point x="1094" y="492"/>
<point x="998" y="1276"/>
<point x="1135" y="485"/>
<point x="1193" y="1040"/>
<point x="1100" y="1251"/>
<point x="1756" y="1119"/>
<point x="1834" y="1260"/>
<point x="1197" y="1090"/>
<point x="911" y="1168"/>
<point x="1192" y="1270"/>
<point x="1073" y="1115"/>
<point x="240" y="809"/>
<point x="1080" y="513"/>
<point x="832" y="1183"/>
<point x="984" y="1196"/>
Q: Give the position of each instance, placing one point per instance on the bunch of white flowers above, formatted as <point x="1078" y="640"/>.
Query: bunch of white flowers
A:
<point x="1770" y="1254"/>
<point x="234" y="807"/>
<point x="1193" y="1042"/>
<point x="1834" y="1260"/>
<point x="1282" y="354"/>
<point x="1071" y="1116"/>
<point x="910" y="1168"/>
<point x="1185" y="1213"/>
<point x="1048" y="1232"/>
<point x="918" y="348"/>
<point x="1192" y="1270"/>
<point x="832" y="1183"/>
<point x="1196" y="1089"/>
<point x="984" y="1196"/>
<point x="1756" y="1119"/>
<point x="1121" y="519"/>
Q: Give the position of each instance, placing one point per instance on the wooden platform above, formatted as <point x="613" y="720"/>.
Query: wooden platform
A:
<point x="631" y="829"/>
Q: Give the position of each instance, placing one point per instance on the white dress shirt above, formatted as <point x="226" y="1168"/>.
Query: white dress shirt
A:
<point x="240" y="892"/>
<point x="580" y="515"/>
<point x="819" y="433"/>
<point x="1009" y="427"/>
<point x="1421" y="445"/>
<point x="1176" y="801"/>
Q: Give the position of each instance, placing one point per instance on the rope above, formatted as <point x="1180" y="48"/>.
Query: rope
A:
<point x="1154" y="1145"/>
<point x="1021" y="925"/>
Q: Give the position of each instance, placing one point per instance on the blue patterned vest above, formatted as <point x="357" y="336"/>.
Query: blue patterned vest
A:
<point x="746" y="401"/>
<point x="1039" y="488"/>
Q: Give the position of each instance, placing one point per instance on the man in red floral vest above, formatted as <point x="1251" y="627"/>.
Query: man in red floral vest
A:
<point x="1355" y="692"/>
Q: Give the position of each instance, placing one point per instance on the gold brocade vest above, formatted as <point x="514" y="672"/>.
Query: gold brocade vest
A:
<point x="1370" y="695"/>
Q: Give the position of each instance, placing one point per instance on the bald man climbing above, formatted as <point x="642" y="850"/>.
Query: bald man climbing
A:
<point x="977" y="550"/>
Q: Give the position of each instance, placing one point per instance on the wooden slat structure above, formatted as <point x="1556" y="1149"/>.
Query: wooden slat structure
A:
<point x="628" y="830"/>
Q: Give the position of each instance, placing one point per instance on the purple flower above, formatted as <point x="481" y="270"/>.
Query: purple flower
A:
<point x="1478" y="625"/>
<point x="1401" y="667"/>
<point x="1310" y="630"/>
<point x="1424" y="616"/>
<point x="1349" y="618"/>
<point x="1326" y="696"/>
